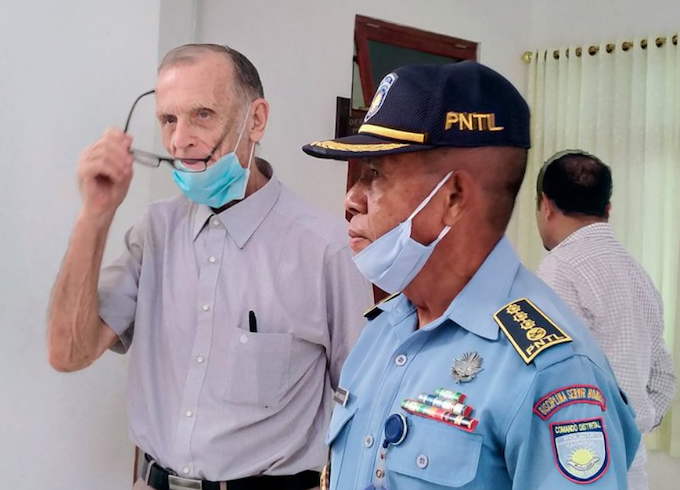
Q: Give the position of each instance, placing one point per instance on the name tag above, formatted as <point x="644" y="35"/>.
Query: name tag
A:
<point x="341" y="396"/>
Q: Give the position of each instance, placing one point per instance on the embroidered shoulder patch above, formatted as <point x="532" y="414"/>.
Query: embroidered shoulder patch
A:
<point x="375" y="310"/>
<point x="567" y="395"/>
<point x="581" y="449"/>
<point x="529" y="330"/>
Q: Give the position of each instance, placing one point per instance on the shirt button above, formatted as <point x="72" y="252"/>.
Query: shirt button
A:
<point x="205" y="307"/>
<point x="422" y="461"/>
<point x="400" y="360"/>
<point x="188" y="413"/>
<point x="216" y="222"/>
<point x="244" y="339"/>
<point x="185" y="470"/>
<point x="212" y="260"/>
<point x="199" y="359"/>
<point x="379" y="473"/>
<point x="368" y="442"/>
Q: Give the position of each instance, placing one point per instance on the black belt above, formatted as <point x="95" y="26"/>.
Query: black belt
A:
<point x="162" y="479"/>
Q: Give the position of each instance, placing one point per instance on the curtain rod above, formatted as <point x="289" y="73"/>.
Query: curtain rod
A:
<point x="593" y="50"/>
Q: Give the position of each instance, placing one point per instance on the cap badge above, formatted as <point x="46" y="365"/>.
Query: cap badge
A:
<point x="380" y="95"/>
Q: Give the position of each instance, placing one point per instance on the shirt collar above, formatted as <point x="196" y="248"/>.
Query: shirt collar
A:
<point x="600" y="229"/>
<point x="475" y="305"/>
<point x="243" y="218"/>
<point x="486" y="292"/>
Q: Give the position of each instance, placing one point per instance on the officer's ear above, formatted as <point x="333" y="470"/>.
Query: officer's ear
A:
<point x="459" y="189"/>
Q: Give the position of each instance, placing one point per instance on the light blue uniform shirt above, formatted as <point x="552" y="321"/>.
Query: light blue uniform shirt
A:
<point x="554" y="423"/>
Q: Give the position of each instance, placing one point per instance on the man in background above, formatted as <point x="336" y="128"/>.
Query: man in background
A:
<point x="238" y="300"/>
<point x="594" y="274"/>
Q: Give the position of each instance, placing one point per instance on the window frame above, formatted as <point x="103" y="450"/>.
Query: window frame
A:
<point x="369" y="29"/>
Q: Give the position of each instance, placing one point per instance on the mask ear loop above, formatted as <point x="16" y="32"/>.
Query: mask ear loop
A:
<point x="243" y="129"/>
<point x="428" y="198"/>
<point x="252" y="154"/>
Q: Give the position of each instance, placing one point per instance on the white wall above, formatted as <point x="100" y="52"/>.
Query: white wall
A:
<point x="68" y="70"/>
<point x="303" y="49"/>
<point x="583" y="22"/>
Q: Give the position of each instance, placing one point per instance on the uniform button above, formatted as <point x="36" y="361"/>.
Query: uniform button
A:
<point x="216" y="222"/>
<point x="205" y="307"/>
<point x="400" y="360"/>
<point x="379" y="473"/>
<point x="200" y="359"/>
<point x="185" y="470"/>
<point x="244" y="339"/>
<point x="368" y="442"/>
<point x="422" y="461"/>
<point x="188" y="413"/>
<point x="212" y="260"/>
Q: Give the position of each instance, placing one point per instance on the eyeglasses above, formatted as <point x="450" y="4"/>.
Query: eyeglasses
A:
<point x="191" y="165"/>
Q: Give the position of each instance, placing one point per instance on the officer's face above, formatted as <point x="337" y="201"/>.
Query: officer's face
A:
<point x="196" y="108"/>
<point x="388" y="191"/>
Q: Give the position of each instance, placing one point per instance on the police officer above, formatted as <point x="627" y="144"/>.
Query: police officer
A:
<point x="474" y="374"/>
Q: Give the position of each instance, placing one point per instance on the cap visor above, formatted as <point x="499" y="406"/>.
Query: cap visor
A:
<point x="360" y="146"/>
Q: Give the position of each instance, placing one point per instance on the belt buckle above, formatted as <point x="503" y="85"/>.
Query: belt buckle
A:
<point x="179" y="483"/>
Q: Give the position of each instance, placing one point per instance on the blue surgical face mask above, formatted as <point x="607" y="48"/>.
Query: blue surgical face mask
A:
<point x="220" y="183"/>
<point x="393" y="260"/>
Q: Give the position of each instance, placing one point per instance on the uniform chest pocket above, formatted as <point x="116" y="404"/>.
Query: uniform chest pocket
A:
<point x="434" y="454"/>
<point x="258" y="368"/>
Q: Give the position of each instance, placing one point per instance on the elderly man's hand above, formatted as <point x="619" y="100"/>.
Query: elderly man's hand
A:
<point x="105" y="172"/>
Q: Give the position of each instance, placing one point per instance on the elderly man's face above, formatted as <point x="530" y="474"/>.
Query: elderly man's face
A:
<point x="196" y="109"/>
<point x="388" y="191"/>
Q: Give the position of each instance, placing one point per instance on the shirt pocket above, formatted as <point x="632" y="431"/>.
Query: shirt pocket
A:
<point x="434" y="454"/>
<point x="336" y="438"/>
<point x="258" y="368"/>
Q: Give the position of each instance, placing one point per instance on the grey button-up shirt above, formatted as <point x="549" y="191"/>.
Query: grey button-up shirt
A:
<point x="207" y="397"/>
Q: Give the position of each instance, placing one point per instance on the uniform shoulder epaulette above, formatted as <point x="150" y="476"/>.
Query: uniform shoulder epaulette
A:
<point x="375" y="310"/>
<point x="529" y="330"/>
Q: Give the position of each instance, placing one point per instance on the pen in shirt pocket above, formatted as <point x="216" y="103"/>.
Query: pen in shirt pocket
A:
<point x="252" y="321"/>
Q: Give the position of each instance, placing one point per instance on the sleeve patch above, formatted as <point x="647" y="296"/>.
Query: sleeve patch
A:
<point x="552" y="402"/>
<point x="581" y="449"/>
<point x="529" y="330"/>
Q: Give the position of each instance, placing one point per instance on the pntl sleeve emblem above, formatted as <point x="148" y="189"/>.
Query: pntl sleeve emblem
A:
<point x="581" y="449"/>
<point x="529" y="330"/>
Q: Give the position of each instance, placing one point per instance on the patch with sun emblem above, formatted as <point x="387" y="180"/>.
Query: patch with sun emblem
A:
<point x="581" y="449"/>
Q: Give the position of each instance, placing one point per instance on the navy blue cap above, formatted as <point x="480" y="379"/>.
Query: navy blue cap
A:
<point x="422" y="107"/>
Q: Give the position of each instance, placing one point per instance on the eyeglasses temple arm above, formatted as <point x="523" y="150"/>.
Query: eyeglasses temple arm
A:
<point x="132" y="109"/>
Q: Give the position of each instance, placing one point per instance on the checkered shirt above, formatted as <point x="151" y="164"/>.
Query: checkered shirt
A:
<point x="611" y="292"/>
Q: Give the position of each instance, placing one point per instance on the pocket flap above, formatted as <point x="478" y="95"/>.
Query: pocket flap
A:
<point x="436" y="453"/>
<point x="341" y="415"/>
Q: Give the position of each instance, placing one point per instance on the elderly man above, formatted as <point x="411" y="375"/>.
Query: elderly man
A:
<point x="474" y="374"/>
<point x="239" y="300"/>
<point x="606" y="287"/>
